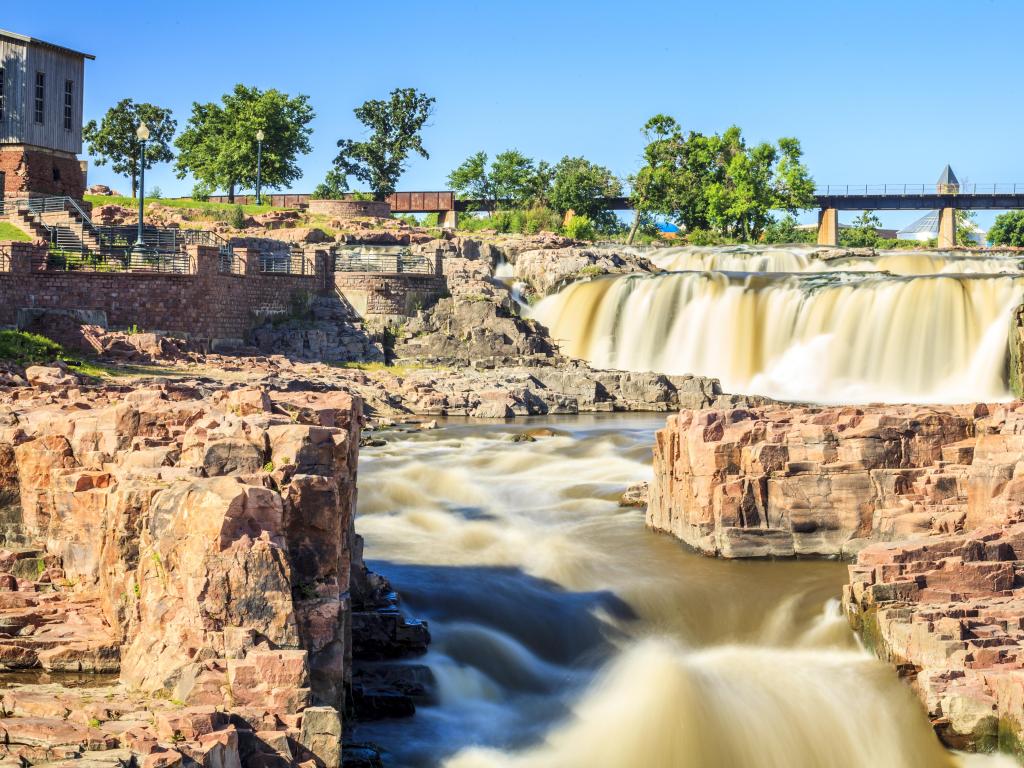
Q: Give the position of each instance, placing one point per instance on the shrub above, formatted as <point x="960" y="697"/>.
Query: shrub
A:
<point x="704" y="237"/>
<point x="27" y="348"/>
<point x="539" y="219"/>
<point x="579" y="228"/>
<point x="238" y="218"/>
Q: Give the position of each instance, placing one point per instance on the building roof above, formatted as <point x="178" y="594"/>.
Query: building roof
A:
<point x="948" y="177"/>
<point x="37" y="41"/>
<point x="929" y="223"/>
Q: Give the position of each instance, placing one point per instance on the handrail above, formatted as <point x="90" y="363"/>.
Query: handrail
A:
<point x="849" y="190"/>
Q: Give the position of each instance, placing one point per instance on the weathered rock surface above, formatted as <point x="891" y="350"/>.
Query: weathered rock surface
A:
<point x="780" y="481"/>
<point x="548" y="270"/>
<point x="948" y="611"/>
<point x="196" y="541"/>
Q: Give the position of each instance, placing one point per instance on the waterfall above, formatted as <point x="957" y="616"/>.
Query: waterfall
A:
<point x="854" y="333"/>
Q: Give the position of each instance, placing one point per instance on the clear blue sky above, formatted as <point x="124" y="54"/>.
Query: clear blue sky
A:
<point x="877" y="91"/>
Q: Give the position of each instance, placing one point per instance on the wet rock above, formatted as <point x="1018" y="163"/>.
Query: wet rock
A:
<point x="785" y="480"/>
<point x="635" y="495"/>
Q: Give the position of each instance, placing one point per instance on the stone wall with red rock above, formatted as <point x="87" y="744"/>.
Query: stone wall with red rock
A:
<point x="205" y="303"/>
<point x="351" y="209"/>
<point x="32" y="171"/>
<point x="390" y="295"/>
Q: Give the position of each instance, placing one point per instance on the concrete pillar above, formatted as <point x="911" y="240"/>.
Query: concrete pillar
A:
<point x="828" y="226"/>
<point x="947" y="228"/>
<point x="448" y="219"/>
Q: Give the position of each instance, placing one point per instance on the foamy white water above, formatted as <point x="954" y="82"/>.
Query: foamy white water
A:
<point x="825" y="337"/>
<point x="567" y="635"/>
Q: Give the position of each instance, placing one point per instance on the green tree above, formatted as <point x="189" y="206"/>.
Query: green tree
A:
<point x="114" y="139"/>
<point x="395" y="127"/>
<point x="862" y="233"/>
<point x="472" y="180"/>
<point x="785" y="230"/>
<point x="966" y="225"/>
<point x="718" y="182"/>
<point x="511" y="180"/>
<point x="218" y="145"/>
<point x="1008" y="229"/>
<point x="583" y="187"/>
<point x="333" y="187"/>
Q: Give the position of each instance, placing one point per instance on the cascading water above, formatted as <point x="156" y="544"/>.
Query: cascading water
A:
<point x="567" y="635"/>
<point x="843" y="330"/>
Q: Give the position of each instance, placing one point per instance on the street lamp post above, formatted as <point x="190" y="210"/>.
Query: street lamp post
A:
<point x="259" y="164"/>
<point x="143" y="134"/>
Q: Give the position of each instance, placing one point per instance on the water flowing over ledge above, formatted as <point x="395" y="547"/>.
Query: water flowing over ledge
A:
<point x="830" y="330"/>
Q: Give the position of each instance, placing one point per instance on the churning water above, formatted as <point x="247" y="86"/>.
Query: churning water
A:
<point x="567" y="635"/>
<point x="896" y="327"/>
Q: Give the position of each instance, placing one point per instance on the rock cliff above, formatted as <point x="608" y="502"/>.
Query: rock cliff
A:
<point x="930" y="500"/>
<point x="784" y="480"/>
<point x="196" y="542"/>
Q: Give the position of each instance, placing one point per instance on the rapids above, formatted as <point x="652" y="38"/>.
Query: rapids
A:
<point x="787" y="323"/>
<point x="567" y="635"/>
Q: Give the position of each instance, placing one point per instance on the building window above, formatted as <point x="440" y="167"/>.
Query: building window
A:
<point x="69" y="100"/>
<point x="40" y="97"/>
<point x="1" y="94"/>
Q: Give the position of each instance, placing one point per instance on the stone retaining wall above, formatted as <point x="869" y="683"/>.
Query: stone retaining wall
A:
<point x="204" y="303"/>
<point x="351" y="209"/>
<point x="388" y="296"/>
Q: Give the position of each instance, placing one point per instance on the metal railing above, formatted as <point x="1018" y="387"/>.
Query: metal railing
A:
<point x="847" y="190"/>
<point x="382" y="259"/>
<point x="130" y="261"/>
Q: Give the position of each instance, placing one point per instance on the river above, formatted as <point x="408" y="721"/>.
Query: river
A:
<point x="567" y="635"/>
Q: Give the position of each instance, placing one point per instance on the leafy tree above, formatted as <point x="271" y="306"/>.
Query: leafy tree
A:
<point x="785" y="230"/>
<point x="218" y="145"/>
<point x="966" y="225"/>
<point x="114" y="139"/>
<point x="862" y="234"/>
<point x="512" y="179"/>
<point x="471" y="180"/>
<point x="333" y="187"/>
<point x="1008" y="229"/>
<point x="581" y="186"/>
<point x="395" y="127"/>
<point x="718" y="182"/>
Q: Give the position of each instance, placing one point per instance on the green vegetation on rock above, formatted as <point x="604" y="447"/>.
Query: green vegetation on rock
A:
<point x="26" y="349"/>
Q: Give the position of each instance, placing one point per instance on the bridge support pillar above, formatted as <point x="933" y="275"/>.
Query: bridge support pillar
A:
<point x="448" y="219"/>
<point x="947" y="228"/>
<point x="828" y="226"/>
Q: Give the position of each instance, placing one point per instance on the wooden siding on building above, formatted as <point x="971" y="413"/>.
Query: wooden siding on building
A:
<point x="21" y="62"/>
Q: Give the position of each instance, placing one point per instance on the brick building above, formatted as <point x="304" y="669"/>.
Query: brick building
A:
<point x="41" y="88"/>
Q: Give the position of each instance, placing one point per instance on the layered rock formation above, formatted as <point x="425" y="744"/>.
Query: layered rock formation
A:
<point x="929" y="499"/>
<point x="196" y="542"/>
<point x="780" y="481"/>
<point x="948" y="610"/>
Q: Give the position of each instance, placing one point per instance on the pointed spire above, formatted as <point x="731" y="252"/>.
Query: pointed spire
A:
<point x="948" y="177"/>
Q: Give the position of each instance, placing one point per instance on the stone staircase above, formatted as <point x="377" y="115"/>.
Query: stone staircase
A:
<point x="66" y="229"/>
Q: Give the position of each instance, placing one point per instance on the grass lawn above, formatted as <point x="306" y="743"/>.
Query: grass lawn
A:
<point x="129" y="202"/>
<point x="11" y="232"/>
